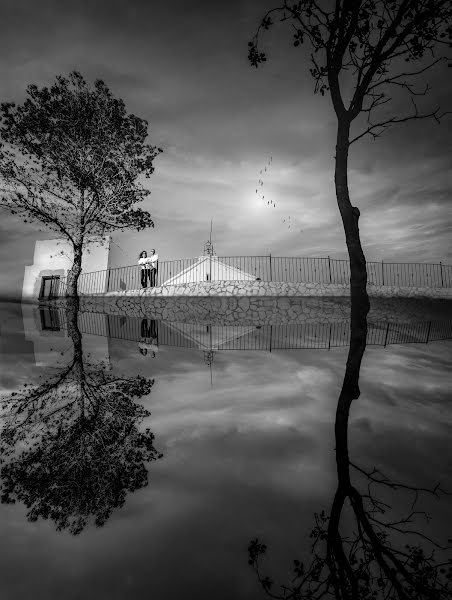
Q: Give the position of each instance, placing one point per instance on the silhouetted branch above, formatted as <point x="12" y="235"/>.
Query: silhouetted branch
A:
<point x="376" y="129"/>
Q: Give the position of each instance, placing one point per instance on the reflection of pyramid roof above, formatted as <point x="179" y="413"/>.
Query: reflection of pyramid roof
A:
<point x="210" y="337"/>
<point x="212" y="266"/>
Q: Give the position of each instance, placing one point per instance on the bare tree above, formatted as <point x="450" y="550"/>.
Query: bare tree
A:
<point x="372" y="563"/>
<point x="72" y="447"/>
<point x="362" y="50"/>
<point x="70" y="159"/>
<point x="382" y="557"/>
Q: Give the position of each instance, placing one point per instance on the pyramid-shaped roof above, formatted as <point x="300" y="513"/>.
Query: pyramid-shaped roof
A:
<point x="210" y="337"/>
<point x="209" y="268"/>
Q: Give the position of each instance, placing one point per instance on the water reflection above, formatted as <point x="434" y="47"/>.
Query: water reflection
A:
<point x="149" y="337"/>
<point x="150" y="333"/>
<point x="251" y="456"/>
<point x="72" y="447"/>
<point x="362" y="549"/>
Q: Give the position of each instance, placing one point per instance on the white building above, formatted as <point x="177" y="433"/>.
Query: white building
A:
<point x="52" y="260"/>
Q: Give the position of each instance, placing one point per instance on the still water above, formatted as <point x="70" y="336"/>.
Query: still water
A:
<point x="140" y="458"/>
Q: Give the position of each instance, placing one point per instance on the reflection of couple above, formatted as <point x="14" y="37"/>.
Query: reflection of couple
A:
<point x="149" y="266"/>
<point x="149" y="336"/>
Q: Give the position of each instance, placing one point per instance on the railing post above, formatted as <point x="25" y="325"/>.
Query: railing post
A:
<point x="428" y="331"/>
<point x="386" y="337"/>
<point x="441" y="270"/>
<point x="271" y="277"/>
<point x="329" y="267"/>
<point x="108" y="279"/>
<point x="382" y="274"/>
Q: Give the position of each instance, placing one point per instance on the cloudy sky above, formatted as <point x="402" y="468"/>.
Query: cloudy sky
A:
<point x="184" y="68"/>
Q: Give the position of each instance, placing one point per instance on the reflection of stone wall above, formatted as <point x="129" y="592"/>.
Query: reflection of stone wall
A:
<point x="263" y="310"/>
<point x="274" y="288"/>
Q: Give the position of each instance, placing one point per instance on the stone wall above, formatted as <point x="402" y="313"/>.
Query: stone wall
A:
<point x="285" y="289"/>
<point x="258" y="310"/>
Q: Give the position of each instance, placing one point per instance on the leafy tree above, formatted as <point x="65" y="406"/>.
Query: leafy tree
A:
<point x="70" y="159"/>
<point x="72" y="447"/>
<point x="362" y="51"/>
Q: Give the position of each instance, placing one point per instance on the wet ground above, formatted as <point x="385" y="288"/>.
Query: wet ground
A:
<point x="141" y="457"/>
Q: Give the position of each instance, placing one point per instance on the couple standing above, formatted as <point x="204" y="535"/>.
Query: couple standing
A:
<point x="149" y="266"/>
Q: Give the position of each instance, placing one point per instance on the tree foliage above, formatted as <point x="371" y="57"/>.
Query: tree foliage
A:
<point x="72" y="448"/>
<point x="377" y="45"/>
<point x="71" y="158"/>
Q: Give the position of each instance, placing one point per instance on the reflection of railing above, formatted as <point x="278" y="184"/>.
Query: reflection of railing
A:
<point x="248" y="337"/>
<point x="62" y="287"/>
<point x="266" y="268"/>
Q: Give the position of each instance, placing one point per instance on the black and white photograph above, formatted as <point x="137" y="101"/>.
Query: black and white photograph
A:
<point x="226" y="300"/>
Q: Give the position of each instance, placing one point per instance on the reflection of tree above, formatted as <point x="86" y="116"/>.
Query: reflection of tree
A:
<point x="72" y="448"/>
<point x="385" y="557"/>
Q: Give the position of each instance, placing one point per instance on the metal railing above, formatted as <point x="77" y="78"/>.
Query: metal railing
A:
<point x="247" y="337"/>
<point x="264" y="268"/>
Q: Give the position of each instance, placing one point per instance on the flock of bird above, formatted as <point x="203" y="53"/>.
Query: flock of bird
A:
<point x="287" y="220"/>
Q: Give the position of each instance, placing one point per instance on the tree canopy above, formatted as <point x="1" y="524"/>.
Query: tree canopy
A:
<point x="70" y="158"/>
<point x="379" y="45"/>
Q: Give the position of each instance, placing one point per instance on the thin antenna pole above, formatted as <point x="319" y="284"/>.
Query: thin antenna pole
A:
<point x="210" y="342"/>
<point x="210" y="253"/>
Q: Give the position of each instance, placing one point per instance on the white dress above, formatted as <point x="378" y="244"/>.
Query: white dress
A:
<point x="145" y="262"/>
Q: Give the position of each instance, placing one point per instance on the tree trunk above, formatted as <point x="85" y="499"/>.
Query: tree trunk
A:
<point x="72" y="306"/>
<point x="76" y="269"/>
<point x="71" y="313"/>
<point x="74" y="272"/>
<point x="350" y="216"/>
<point x="358" y="297"/>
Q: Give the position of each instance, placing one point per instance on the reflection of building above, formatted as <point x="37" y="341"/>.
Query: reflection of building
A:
<point x="210" y="337"/>
<point x="15" y="350"/>
<point x="51" y="262"/>
<point x="45" y="328"/>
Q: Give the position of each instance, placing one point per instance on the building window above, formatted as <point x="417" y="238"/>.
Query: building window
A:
<point x="50" y="285"/>
<point x="50" y="319"/>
